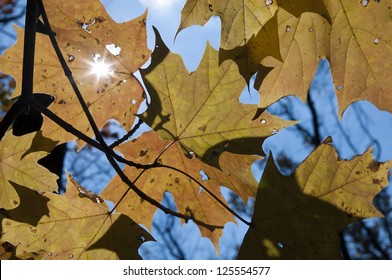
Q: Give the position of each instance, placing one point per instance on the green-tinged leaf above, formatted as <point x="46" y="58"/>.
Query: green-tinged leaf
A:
<point x="73" y="227"/>
<point x="301" y="216"/>
<point x="356" y="39"/>
<point x="241" y="19"/>
<point x="201" y="109"/>
<point x="361" y="51"/>
<point x="264" y="44"/>
<point x="8" y="252"/>
<point x="303" y="42"/>
<point x="18" y="164"/>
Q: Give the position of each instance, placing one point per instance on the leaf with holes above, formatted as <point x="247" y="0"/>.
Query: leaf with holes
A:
<point x="201" y="109"/>
<point x="8" y="252"/>
<point x="194" y="194"/>
<point x="259" y="47"/>
<point x="300" y="216"/>
<point x="303" y="42"/>
<point x="71" y="227"/>
<point x="101" y="56"/>
<point x="361" y="40"/>
<point x="358" y="53"/>
<point x="18" y="164"/>
<point x="240" y="19"/>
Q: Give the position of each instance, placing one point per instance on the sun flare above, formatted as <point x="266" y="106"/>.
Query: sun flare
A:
<point x="99" y="67"/>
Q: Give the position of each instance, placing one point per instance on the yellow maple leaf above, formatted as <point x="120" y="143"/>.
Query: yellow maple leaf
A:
<point x="70" y="226"/>
<point x="19" y="164"/>
<point x="300" y="216"/>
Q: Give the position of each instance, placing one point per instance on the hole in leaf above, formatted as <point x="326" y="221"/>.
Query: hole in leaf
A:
<point x="203" y="175"/>
<point x="113" y="49"/>
<point x="85" y="25"/>
<point x="365" y="3"/>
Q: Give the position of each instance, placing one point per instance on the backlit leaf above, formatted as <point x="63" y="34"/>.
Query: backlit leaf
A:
<point x="201" y="109"/>
<point x="73" y="228"/>
<point x="18" y="164"/>
<point x="241" y="19"/>
<point x="300" y="216"/>
<point x="361" y="51"/>
<point x="355" y="38"/>
<point x="8" y="252"/>
<point x="303" y="42"/>
<point x="85" y="33"/>
<point x="190" y="197"/>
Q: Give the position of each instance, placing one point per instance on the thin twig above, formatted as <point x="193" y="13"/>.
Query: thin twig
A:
<point x="110" y="155"/>
<point x="207" y="190"/>
<point x="128" y="135"/>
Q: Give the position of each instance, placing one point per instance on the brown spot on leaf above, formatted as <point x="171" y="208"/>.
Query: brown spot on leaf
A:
<point x="177" y="180"/>
<point x="143" y="152"/>
<point x="100" y="19"/>
<point x="373" y="166"/>
<point x="202" y="128"/>
<point x="376" y="181"/>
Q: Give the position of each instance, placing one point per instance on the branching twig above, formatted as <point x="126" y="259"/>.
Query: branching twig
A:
<point x="101" y="144"/>
<point x="127" y="136"/>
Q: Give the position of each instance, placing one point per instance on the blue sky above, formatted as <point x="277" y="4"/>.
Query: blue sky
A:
<point x="361" y="126"/>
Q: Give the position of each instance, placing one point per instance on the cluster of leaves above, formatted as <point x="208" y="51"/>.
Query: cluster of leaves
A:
<point x="198" y="124"/>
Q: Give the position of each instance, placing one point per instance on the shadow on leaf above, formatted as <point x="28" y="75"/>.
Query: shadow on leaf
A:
<point x="31" y="209"/>
<point x="297" y="8"/>
<point x="124" y="237"/>
<point x="249" y="57"/>
<point x="301" y="216"/>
